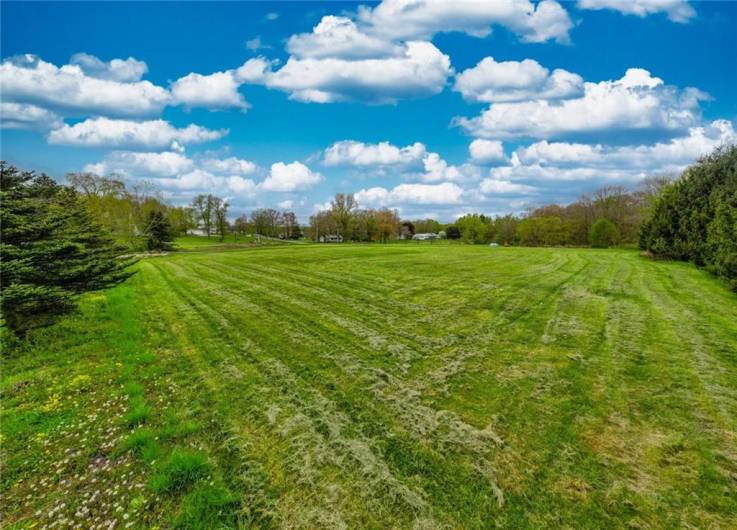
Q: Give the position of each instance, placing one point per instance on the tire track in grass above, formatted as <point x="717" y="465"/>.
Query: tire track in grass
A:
<point x="701" y="439"/>
<point x="315" y="415"/>
<point x="512" y="307"/>
<point x="369" y="322"/>
<point x="242" y="472"/>
<point x="226" y="380"/>
<point x="421" y="421"/>
<point x="628" y="423"/>
<point x="453" y="356"/>
<point x="717" y="377"/>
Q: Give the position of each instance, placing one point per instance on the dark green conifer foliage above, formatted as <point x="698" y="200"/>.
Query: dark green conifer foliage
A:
<point x="51" y="250"/>
<point x="159" y="235"/>
<point x="695" y="218"/>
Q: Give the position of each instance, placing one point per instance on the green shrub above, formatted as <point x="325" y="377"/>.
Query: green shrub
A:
<point x="180" y="470"/>
<point x="603" y="234"/>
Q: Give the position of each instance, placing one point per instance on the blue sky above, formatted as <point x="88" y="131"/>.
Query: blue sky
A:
<point x="433" y="108"/>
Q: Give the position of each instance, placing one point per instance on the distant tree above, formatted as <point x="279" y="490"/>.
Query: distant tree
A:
<point x="158" y="231"/>
<point x="475" y="228"/>
<point x="265" y="222"/>
<point x="603" y="234"/>
<point x="407" y="229"/>
<point x="506" y="229"/>
<point x="452" y="232"/>
<point x="240" y="225"/>
<point x="181" y="219"/>
<point x="52" y="250"/>
<point x="424" y="226"/>
<point x="387" y="224"/>
<point x="296" y="232"/>
<point x="289" y="221"/>
<point x="321" y="224"/>
<point x="341" y="208"/>
<point x="202" y="206"/>
<point x="220" y="213"/>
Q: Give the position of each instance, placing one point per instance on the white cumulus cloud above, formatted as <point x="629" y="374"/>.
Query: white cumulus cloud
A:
<point x="339" y="37"/>
<point x="218" y="90"/>
<point x="290" y="177"/>
<point x="127" y="70"/>
<point x="637" y="101"/>
<point x="142" y="164"/>
<point x="230" y="166"/>
<point x="666" y="157"/>
<point x="420" y="70"/>
<point x="558" y="162"/>
<point x="152" y="134"/>
<point x="421" y="19"/>
<point x="677" y="10"/>
<point x="506" y="81"/>
<point x="437" y="169"/>
<point x="504" y="187"/>
<point x="486" y="151"/>
<point x="412" y="161"/>
<point x="69" y="90"/>
<point x="352" y="153"/>
<point x="444" y="193"/>
<point x="174" y="172"/>
<point x="25" y="116"/>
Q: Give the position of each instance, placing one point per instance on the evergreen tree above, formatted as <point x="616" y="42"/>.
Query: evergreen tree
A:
<point x="159" y="234"/>
<point x="51" y="251"/>
<point x="695" y="217"/>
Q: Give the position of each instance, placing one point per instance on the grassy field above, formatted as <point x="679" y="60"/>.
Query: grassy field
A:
<point x="399" y="386"/>
<point x="201" y="242"/>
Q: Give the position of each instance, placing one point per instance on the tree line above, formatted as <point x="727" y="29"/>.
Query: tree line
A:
<point x="610" y="216"/>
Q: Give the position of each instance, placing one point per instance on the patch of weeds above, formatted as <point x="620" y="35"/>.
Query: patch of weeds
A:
<point x="179" y="430"/>
<point x="143" y="443"/>
<point x="180" y="470"/>
<point x="138" y="413"/>
<point x="133" y="389"/>
<point x="53" y="403"/>
<point x="80" y="383"/>
<point x="208" y="506"/>
<point x="176" y="425"/>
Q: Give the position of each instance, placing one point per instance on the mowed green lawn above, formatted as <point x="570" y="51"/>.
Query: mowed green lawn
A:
<point x="397" y="386"/>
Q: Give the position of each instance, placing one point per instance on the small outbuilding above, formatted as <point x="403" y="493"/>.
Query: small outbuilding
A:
<point x="429" y="236"/>
<point x="331" y="238"/>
